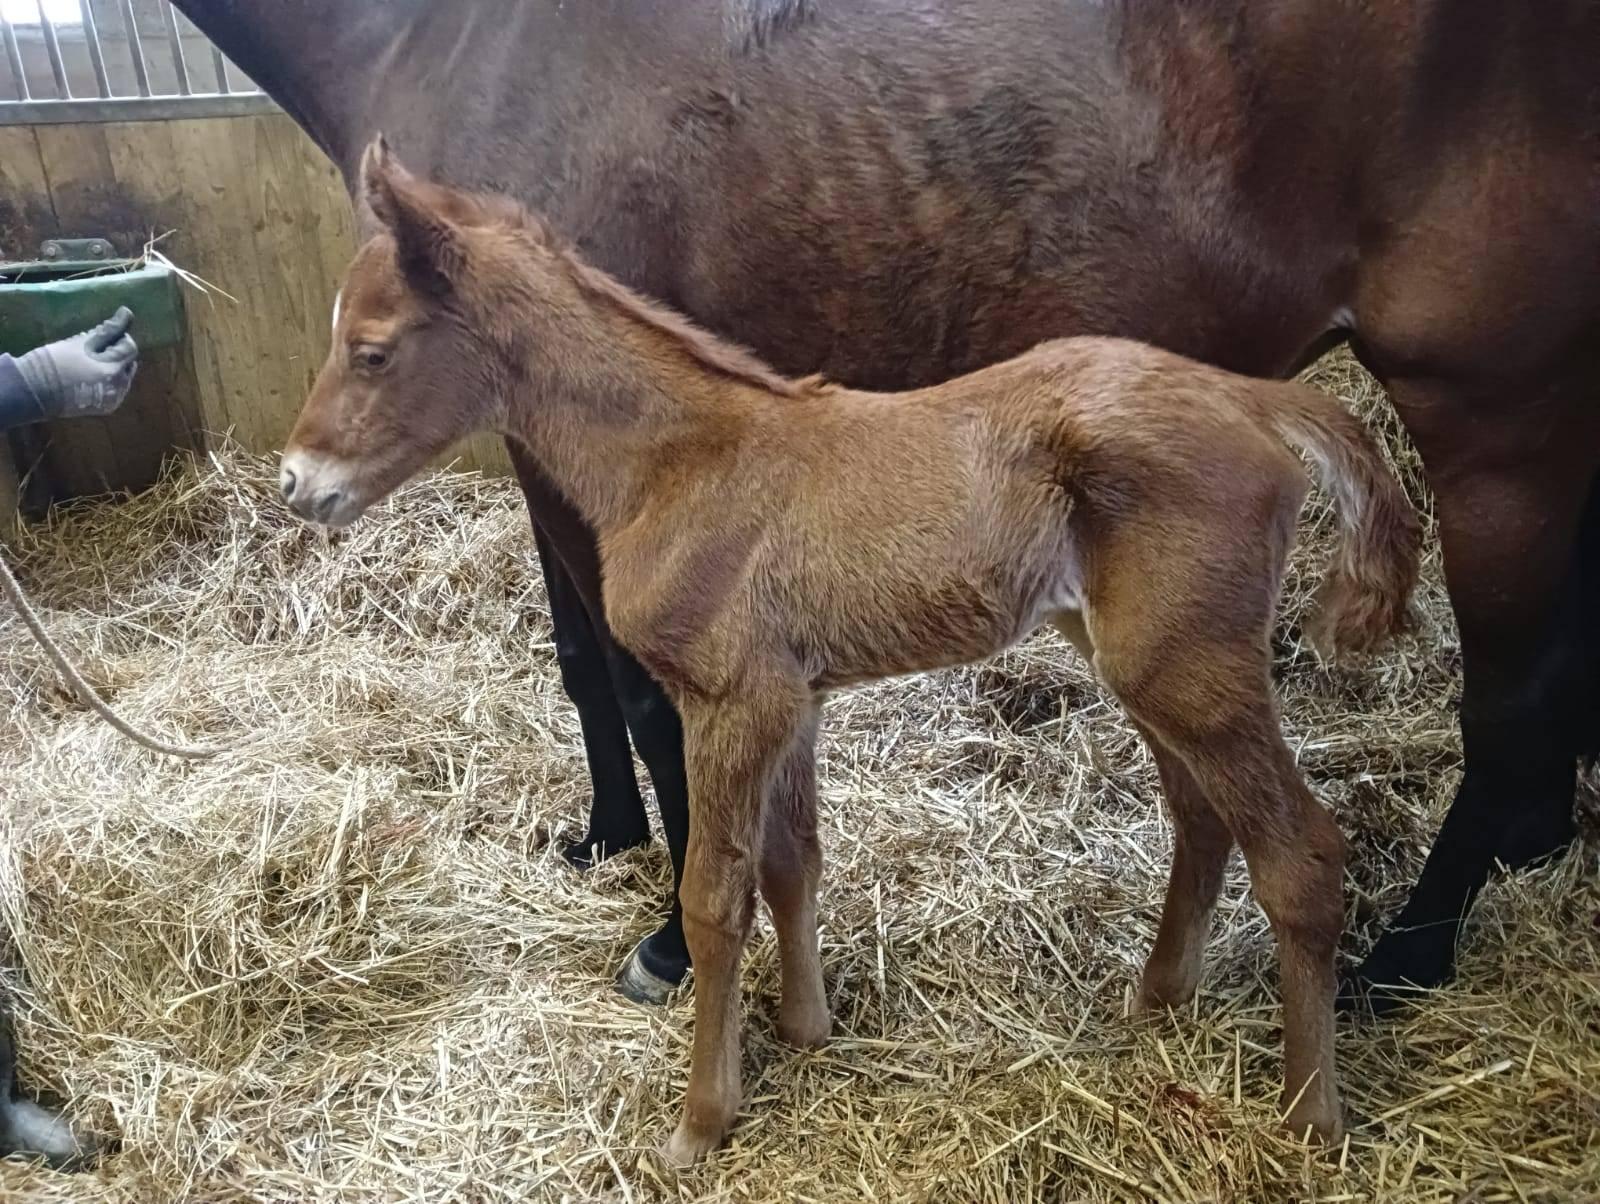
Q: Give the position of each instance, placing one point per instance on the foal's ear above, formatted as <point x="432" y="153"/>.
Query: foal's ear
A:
<point x="431" y="250"/>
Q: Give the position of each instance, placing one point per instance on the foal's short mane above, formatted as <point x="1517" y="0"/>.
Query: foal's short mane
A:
<point x="705" y="348"/>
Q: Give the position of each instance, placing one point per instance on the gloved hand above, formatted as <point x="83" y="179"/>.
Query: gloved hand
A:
<point x="90" y="373"/>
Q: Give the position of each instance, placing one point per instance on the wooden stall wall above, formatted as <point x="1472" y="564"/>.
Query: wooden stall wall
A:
<point x="246" y="203"/>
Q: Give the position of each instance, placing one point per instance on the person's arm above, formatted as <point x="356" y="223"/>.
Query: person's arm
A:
<point x="89" y="373"/>
<point x="18" y="405"/>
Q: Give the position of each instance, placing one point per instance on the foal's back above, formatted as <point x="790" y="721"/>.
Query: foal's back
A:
<point x="903" y="532"/>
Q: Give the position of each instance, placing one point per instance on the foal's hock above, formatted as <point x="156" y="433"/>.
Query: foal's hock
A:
<point x="765" y="540"/>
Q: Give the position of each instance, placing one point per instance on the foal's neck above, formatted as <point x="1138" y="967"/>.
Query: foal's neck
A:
<point x="609" y="398"/>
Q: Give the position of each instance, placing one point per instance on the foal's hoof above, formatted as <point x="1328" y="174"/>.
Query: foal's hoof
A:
<point x="649" y="976"/>
<point x="1317" y="1118"/>
<point x="690" y="1143"/>
<point x="805" y="1028"/>
<point x="594" y="848"/>
<point x="1158" y="999"/>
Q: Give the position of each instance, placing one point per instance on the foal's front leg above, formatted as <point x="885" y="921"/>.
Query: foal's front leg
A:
<point x="732" y="749"/>
<point x="791" y="867"/>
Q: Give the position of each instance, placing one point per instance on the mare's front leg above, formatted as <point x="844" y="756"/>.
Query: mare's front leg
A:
<point x="732" y="748"/>
<point x="567" y="556"/>
<point x="660" y="962"/>
<point x="617" y="818"/>
<point x="1510" y="484"/>
<point x="615" y="698"/>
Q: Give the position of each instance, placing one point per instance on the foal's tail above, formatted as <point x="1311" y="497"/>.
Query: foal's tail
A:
<point x="1365" y="597"/>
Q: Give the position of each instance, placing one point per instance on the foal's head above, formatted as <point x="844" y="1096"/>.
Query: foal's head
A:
<point x="423" y="340"/>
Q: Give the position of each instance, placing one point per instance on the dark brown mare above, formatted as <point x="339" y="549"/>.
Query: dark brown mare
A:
<point x="766" y="541"/>
<point x="894" y="193"/>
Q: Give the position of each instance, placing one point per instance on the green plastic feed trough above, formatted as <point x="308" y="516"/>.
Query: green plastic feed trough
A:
<point x="53" y="298"/>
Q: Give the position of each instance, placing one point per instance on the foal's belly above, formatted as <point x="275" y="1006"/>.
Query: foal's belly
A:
<point x="925" y="625"/>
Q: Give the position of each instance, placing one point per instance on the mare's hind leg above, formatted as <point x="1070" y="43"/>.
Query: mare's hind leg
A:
<point x="1589" y="556"/>
<point x="791" y="866"/>
<point x="1511" y="482"/>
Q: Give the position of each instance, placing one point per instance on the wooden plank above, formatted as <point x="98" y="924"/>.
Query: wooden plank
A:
<point x="81" y="456"/>
<point x="26" y="217"/>
<point x="169" y="380"/>
<point x="299" y="294"/>
<point x="214" y="240"/>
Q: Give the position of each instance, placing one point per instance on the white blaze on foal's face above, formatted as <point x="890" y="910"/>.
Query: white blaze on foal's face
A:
<point x="407" y="374"/>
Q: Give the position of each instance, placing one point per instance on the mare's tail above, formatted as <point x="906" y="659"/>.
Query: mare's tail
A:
<point x="1365" y="597"/>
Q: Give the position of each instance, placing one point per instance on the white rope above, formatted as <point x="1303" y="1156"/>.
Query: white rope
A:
<point x="85" y="692"/>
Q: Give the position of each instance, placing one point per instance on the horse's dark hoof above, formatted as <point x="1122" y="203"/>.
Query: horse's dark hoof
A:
<point x="1403" y="967"/>
<point x="1361" y="999"/>
<point x="1527" y="844"/>
<point x="650" y="978"/>
<point x="590" y="851"/>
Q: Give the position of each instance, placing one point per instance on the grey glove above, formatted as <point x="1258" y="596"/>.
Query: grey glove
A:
<point x="90" y="373"/>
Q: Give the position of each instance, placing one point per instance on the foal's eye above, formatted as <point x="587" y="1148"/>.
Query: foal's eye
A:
<point x="371" y="358"/>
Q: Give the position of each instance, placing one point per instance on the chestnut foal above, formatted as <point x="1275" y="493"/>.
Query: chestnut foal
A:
<point x="764" y="541"/>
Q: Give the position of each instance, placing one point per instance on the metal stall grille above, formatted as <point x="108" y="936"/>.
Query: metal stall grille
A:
<point x="113" y="60"/>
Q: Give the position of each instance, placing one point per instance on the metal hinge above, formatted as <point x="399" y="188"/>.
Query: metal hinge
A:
<point x="75" y="250"/>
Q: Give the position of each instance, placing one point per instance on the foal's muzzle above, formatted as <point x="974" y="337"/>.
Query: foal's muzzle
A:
<point x="315" y="490"/>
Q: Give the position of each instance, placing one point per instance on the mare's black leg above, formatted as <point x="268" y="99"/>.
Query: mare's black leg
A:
<point x="1589" y="567"/>
<point x="615" y="698"/>
<point x="1511" y="495"/>
<point x="617" y="818"/>
<point x="1519" y="761"/>
<point x="1532" y="834"/>
<point x="661" y="960"/>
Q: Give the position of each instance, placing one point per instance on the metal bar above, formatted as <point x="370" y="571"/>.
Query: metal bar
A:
<point x="135" y="108"/>
<point x="220" y="65"/>
<point x="14" y="57"/>
<point x="141" y="73"/>
<point x="58" y="66"/>
<point x="97" y="57"/>
<point x="175" y="40"/>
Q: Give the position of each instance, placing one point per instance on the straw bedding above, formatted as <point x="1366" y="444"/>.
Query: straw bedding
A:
<point x="349" y="964"/>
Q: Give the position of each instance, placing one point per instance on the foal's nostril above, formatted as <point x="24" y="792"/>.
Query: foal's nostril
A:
<point x="286" y="484"/>
<point x="325" y="503"/>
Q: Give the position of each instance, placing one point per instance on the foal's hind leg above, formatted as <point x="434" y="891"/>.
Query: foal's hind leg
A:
<point x="1296" y="859"/>
<point x="1201" y="844"/>
<point x="791" y="865"/>
<point x="1193" y="670"/>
